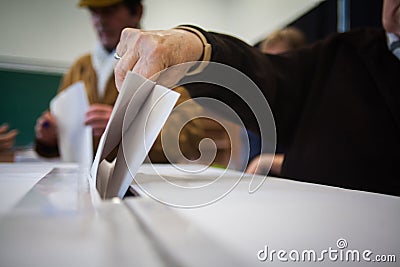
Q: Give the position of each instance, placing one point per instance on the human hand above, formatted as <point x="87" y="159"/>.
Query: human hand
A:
<point x="149" y="52"/>
<point x="7" y="138"/>
<point x="261" y="163"/>
<point x="97" y="117"/>
<point x="46" y="129"/>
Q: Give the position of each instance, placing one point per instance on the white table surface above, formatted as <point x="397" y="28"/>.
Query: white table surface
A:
<point x="60" y="221"/>
<point x="282" y="215"/>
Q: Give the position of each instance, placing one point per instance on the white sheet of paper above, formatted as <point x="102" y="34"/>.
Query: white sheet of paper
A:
<point x="75" y="140"/>
<point x="139" y="114"/>
<point x="113" y="133"/>
<point x="134" y="93"/>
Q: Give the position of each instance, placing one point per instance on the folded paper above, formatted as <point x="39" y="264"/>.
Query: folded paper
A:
<point x="141" y="110"/>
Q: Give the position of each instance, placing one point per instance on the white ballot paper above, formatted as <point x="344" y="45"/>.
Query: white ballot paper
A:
<point x="75" y="140"/>
<point x="141" y="110"/>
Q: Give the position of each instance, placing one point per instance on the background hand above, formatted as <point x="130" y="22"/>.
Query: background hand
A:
<point x="46" y="129"/>
<point x="97" y="117"/>
<point x="261" y="163"/>
<point x="7" y="138"/>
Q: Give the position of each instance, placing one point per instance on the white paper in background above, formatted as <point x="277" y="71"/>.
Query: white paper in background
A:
<point x="139" y="114"/>
<point x="75" y="141"/>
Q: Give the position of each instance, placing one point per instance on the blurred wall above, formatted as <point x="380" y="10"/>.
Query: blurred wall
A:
<point x="52" y="33"/>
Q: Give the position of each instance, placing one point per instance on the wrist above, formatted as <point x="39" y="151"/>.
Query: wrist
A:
<point x="205" y="55"/>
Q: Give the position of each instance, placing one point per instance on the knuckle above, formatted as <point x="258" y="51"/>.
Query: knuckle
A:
<point x="150" y="41"/>
<point x="128" y="33"/>
<point x="125" y="33"/>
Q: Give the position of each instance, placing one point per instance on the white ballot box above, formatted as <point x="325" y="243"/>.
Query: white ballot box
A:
<point x="62" y="221"/>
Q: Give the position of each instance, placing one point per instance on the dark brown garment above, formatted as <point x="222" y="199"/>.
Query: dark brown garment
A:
<point x="336" y="106"/>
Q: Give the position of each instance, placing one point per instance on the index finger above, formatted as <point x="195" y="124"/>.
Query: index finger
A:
<point x="126" y="52"/>
<point x="4" y="128"/>
<point x="100" y="107"/>
<point x="9" y="136"/>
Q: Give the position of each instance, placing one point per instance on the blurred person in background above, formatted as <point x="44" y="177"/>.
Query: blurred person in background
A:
<point x="109" y="18"/>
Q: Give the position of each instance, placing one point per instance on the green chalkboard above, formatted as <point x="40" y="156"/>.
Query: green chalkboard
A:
<point x="23" y="98"/>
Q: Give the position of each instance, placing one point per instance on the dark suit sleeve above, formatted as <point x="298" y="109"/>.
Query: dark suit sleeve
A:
<point x="283" y="80"/>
